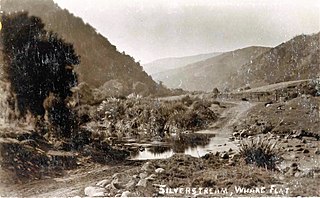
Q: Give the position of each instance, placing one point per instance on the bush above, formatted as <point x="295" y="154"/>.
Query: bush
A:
<point x="38" y="63"/>
<point x="261" y="153"/>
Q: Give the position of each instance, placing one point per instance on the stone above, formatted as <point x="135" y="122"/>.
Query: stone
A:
<point x="94" y="191"/>
<point x="98" y="194"/>
<point x="292" y="172"/>
<point x="300" y="149"/>
<point x="103" y="183"/>
<point x="224" y="155"/>
<point x="151" y="177"/>
<point x="130" y="184"/>
<point x="235" y="134"/>
<point x="142" y="183"/>
<point x="306" y="151"/>
<point x="317" y="151"/>
<point x="143" y="175"/>
<point x="146" y="167"/>
<point x="159" y="170"/>
<point x="289" y="149"/>
<point x="115" y="175"/>
<point x="126" y="194"/>
<point x="116" y="184"/>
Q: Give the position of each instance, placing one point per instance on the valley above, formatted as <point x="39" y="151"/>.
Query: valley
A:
<point x="79" y="118"/>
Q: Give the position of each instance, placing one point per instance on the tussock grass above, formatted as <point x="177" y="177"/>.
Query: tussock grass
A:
<point x="261" y="152"/>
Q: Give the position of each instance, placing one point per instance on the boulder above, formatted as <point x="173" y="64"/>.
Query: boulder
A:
<point x="103" y="183"/>
<point x="142" y="183"/>
<point x="159" y="170"/>
<point x="94" y="191"/>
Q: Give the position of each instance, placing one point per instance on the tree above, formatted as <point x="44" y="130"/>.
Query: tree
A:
<point x="38" y="63"/>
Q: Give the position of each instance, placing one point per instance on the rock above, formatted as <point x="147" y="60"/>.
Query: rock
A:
<point x="151" y="177"/>
<point x="224" y="155"/>
<point x="120" y="180"/>
<point x="94" y="191"/>
<point x="130" y="184"/>
<point x="143" y="175"/>
<point x="110" y="187"/>
<point x="243" y="133"/>
<point x="317" y="151"/>
<point x="98" y="194"/>
<point x="126" y="194"/>
<point x="289" y="149"/>
<point x="292" y="172"/>
<point x="235" y="134"/>
<point x="115" y="175"/>
<point x="159" y="170"/>
<point x="306" y="151"/>
<point x="300" y="149"/>
<point x="116" y="184"/>
<point x="297" y="174"/>
<point x="146" y="167"/>
<point x="142" y="183"/>
<point x="103" y="183"/>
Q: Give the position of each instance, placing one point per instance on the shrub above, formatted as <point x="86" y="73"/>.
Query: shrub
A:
<point x="38" y="63"/>
<point x="261" y="153"/>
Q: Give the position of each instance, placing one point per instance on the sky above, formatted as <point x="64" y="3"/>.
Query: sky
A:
<point x="153" y="29"/>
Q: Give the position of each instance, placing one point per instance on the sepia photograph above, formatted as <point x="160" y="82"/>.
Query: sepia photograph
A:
<point x="161" y="98"/>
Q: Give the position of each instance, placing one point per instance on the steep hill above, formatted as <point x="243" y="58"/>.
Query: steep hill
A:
<point x="210" y="73"/>
<point x="296" y="59"/>
<point x="164" y="64"/>
<point x="100" y="60"/>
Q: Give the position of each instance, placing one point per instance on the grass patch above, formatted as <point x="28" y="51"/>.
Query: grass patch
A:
<point x="261" y="152"/>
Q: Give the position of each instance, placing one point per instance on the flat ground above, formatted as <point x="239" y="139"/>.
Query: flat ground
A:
<point x="293" y="125"/>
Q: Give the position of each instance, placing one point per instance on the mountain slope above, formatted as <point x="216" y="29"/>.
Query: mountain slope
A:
<point x="210" y="73"/>
<point x="296" y="59"/>
<point x="164" y="64"/>
<point x="100" y="60"/>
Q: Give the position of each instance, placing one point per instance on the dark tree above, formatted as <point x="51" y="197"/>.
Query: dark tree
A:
<point x="38" y="63"/>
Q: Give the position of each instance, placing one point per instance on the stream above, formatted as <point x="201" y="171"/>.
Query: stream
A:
<point x="195" y="144"/>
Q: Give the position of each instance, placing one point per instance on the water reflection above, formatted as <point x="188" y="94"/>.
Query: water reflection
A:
<point x="194" y="144"/>
<point x="156" y="150"/>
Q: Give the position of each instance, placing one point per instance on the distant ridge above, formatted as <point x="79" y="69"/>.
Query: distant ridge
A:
<point x="164" y="64"/>
<point x="296" y="59"/>
<point x="210" y="73"/>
